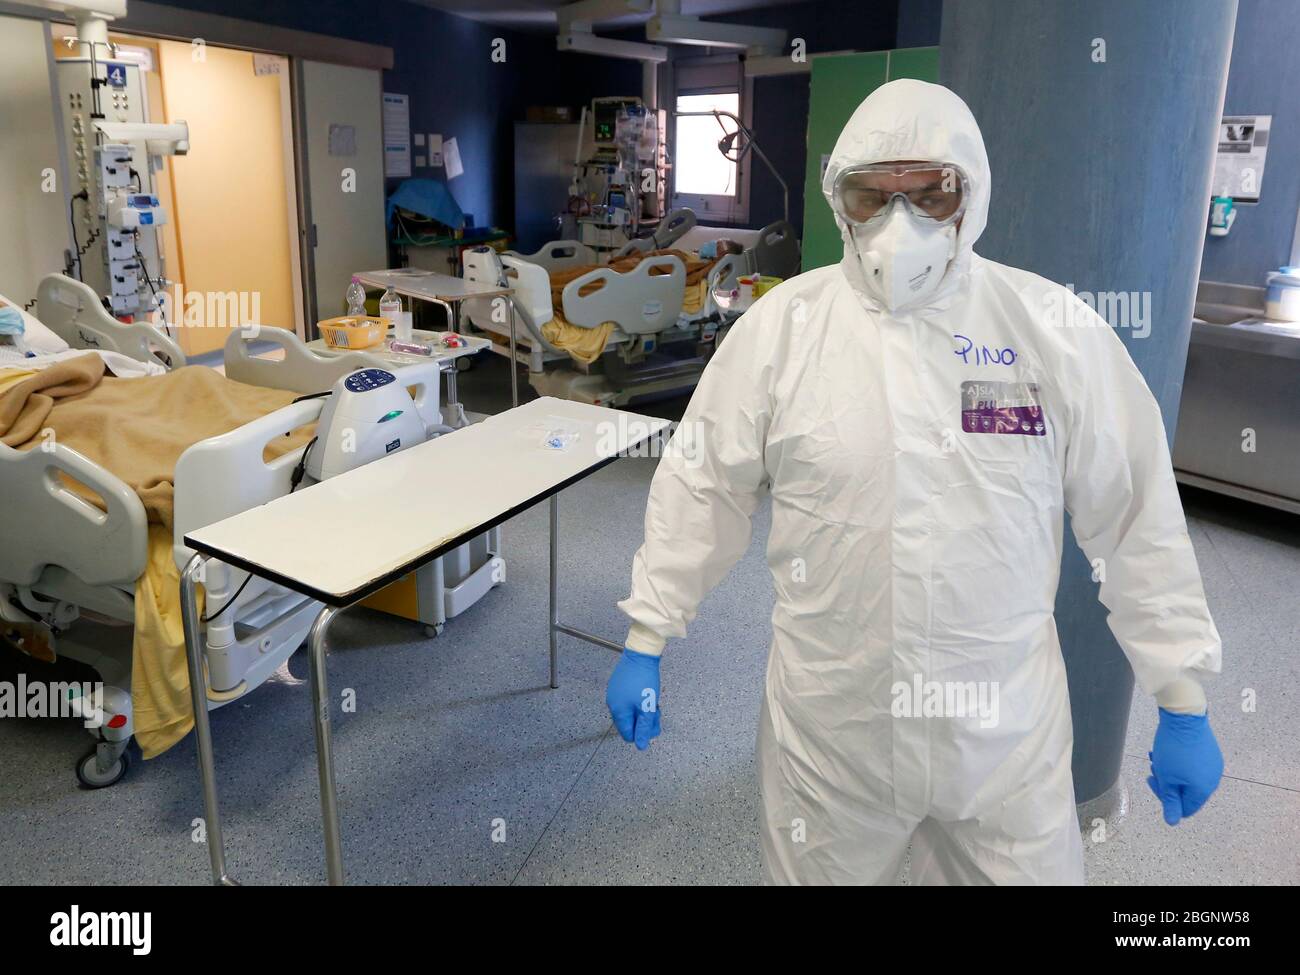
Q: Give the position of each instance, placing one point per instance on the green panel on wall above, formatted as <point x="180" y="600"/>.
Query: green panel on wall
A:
<point x="837" y="86"/>
<point x="921" y="63"/>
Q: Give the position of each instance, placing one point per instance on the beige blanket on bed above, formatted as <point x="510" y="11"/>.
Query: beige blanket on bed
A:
<point x="137" y="429"/>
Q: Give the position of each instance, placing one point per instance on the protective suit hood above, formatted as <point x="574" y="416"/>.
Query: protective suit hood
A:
<point x="914" y="120"/>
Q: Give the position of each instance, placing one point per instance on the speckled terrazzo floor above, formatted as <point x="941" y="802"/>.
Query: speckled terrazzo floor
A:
<point x="457" y="742"/>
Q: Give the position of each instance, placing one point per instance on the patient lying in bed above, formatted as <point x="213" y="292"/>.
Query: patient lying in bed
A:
<point x="586" y="344"/>
<point x="137" y="428"/>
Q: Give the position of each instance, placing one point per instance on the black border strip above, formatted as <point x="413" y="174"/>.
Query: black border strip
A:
<point x="370" y="588"/>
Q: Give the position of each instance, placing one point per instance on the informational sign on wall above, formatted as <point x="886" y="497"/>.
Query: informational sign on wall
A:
<point x="267" y="64"/>
<point x="397" y="135"/>
<point x="1239" y="162"/>
<point x="451" y="158"/>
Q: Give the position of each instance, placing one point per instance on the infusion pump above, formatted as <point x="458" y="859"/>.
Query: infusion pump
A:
<point x="114" y="156"/>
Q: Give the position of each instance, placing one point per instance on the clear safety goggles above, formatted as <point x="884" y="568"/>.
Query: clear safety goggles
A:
<point x="935" y="192"/>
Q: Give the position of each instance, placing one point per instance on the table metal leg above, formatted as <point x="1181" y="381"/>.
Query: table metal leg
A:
<point x="555" y="627"/>
<point x="329" y="802"/>
<point x="555" y="582"/>
<point x="514" y="363"/>
<point x="202" y="729"/>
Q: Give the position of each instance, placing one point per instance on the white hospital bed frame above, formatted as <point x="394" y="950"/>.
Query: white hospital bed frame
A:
<point x="646" y="308"/>
<point x="61" y="554"/>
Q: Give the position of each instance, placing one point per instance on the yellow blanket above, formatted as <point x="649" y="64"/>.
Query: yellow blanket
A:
<point x="137" y="429"/>
<point x="586" y="344"/>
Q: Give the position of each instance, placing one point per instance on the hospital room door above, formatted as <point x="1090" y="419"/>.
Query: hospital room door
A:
<point x="341" y="180"/>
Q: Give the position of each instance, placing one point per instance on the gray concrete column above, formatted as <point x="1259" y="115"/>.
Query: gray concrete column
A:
<point x="1100" y="121"/>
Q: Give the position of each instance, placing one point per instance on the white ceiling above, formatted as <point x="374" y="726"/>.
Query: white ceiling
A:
<point x="540" y="14"/>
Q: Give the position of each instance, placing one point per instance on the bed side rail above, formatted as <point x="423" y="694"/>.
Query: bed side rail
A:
<point x="72" y="311"/>
<point x="43" y="522"/>
<point x="531" y="286"/>
<point x="224" y="475"/>
<point x="559" y="255"/>
<point x="776" y="252"/>
<point x="300" y="369"/>
<point x="639" y="301"/>
<point x="670" y="229"/>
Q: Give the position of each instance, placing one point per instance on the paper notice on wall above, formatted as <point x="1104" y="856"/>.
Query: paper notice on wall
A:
<point x="1239" y="162"/>
<point x="343" y="140"/>
<point x="451" y="158"/>
<point x="264" y="64"/>
<point x="397" y="135"/>
<point x="435" y="149"/>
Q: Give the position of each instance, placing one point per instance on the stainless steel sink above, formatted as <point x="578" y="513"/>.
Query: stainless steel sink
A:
<point x="1239" y="420"/>
<point x="1222" y="314"/>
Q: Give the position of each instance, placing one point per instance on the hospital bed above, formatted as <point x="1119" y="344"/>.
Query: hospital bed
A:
<point x="657" y="346"/>
<point x="62" y="556"/>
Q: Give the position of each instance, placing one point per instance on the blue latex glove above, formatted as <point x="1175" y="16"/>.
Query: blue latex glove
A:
<point x="1186" y="764"/>
<point x="633" y="697"/>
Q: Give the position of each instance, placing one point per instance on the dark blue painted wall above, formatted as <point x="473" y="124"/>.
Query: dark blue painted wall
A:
<point x="1262" y="80"/>
<point x="918" y="23"/>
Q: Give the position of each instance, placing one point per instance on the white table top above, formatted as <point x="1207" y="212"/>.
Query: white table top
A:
<point x="428" y="285"/>
<point x="342" y="539"/>
<point x="473" y="344"/>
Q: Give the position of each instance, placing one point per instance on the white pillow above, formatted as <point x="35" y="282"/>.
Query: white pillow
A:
<point x="39" y="338"/>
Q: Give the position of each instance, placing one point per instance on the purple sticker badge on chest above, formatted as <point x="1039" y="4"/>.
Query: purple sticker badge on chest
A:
<point x="999" y="407"/>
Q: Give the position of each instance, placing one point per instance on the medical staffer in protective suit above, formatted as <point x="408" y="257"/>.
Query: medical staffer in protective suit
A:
<point x="921" y="418"/>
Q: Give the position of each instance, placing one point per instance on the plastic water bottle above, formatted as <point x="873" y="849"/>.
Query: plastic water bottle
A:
<point x="390" y="307"/>
<point x="356" y="297"/>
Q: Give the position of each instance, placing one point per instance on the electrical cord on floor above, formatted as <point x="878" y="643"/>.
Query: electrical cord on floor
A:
<point x="295" y="479"/>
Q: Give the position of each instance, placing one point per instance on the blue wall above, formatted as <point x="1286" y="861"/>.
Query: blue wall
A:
<point x="918" y="23"/>
<point x="1263" y="79"/>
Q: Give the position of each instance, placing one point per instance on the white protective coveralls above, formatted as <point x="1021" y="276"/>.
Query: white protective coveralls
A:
<point x="906" y="550"/>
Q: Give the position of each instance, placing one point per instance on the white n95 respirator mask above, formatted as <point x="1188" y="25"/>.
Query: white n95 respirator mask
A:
<point x="902" y="220"/>
<point x="903" y="260"/>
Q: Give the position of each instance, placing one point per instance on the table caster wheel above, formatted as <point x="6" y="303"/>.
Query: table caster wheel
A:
<point x="89" y="775"/>
<point x="434" y="630"/>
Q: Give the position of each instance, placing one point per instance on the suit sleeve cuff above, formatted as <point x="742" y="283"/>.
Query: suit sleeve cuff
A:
<point x="1182" y="696"/>
<point x="642" y="639"/>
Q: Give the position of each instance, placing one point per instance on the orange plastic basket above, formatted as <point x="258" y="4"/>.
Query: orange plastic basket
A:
<point x="353" y="331"/>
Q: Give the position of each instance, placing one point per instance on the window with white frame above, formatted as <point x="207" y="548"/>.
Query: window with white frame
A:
<point x="705" y="180"/>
